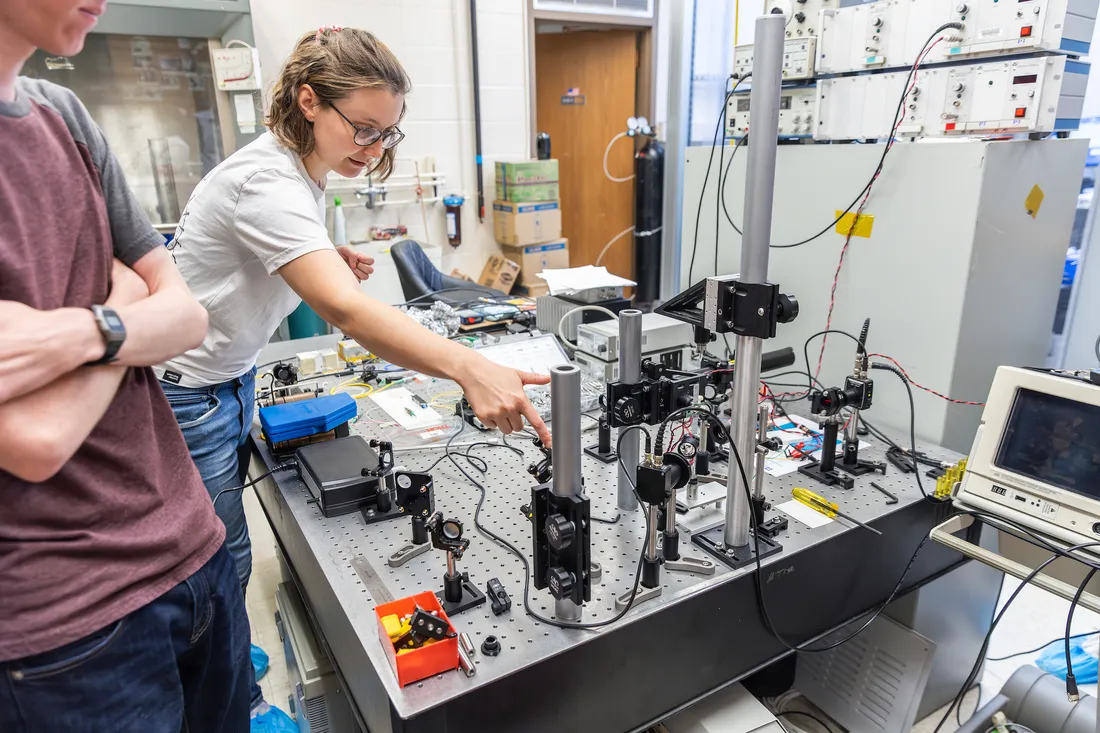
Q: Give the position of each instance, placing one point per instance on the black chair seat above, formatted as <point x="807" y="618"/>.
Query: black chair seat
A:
<point x="423" y="283"/>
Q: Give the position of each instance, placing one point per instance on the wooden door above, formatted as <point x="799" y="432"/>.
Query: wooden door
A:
<point x="600" y="67"/>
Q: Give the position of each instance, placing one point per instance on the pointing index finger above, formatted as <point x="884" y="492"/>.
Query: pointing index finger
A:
<point x="532" y="416"/>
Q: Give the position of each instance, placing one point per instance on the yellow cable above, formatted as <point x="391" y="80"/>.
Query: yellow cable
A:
<point x="441" y="395"/>
<point x="340" y="387"/>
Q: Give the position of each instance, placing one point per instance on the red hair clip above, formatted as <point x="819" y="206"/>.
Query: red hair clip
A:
<point x="326" y="29"/>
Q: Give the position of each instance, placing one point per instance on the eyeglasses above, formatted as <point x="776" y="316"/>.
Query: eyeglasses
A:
<point x="365" y="136"/>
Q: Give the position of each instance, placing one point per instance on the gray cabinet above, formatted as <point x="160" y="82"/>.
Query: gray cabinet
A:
<point x="187" y="18"/>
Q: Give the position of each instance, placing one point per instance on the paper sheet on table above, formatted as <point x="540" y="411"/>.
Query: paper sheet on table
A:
<point x="576" y="279"/>
<point x="398" y="403"/>
<point x="803" y="513"/>
<point x="787" y="431"/>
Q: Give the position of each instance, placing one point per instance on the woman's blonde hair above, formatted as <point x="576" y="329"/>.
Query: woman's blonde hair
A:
<point x="334" y="62"/>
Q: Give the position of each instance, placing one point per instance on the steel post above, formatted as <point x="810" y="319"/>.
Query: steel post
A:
<point x="565" y="426"/>
<point x="630" y="372"/>
<point x="767" y="70"/>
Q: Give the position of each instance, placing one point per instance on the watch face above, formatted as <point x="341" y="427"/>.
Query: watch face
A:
<point x="113" y="322"/>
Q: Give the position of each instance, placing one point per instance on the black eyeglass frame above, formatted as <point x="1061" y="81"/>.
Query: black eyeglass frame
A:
<point x="367" y="135"/>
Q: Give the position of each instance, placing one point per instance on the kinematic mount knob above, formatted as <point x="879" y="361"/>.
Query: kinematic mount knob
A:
<point x="559" y="532"/>
<point x="560" y="582"/>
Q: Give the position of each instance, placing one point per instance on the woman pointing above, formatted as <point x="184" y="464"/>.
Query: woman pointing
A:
<point x="252" y="244"/>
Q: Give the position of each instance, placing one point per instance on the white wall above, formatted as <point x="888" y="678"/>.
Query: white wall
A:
<point x="432" y="40"/>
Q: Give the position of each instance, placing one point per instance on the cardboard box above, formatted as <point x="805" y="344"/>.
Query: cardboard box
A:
<point x="455" y="272"/>
<point x="534" y="289"/>
<point x="499" y="273"/>
<point x="531" y="180"/>
<point x="535" y="258"/>
<point x="518" y="225"/>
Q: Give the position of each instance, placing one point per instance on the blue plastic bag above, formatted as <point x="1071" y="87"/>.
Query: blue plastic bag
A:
<point x="1052" y="659"/>
<point x="260" y="661"/>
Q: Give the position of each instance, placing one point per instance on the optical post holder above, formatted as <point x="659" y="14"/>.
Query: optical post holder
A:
<point x="459" y="593"/>
<point x="413" y="497"/>
<point x="561" y="549"/>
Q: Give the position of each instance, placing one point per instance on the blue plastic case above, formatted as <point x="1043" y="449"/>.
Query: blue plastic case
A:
<point x="308" y="417"/>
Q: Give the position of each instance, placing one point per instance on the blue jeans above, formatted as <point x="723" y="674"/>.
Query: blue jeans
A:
<point x="215" y="422"/>
<point x="180" y="663"/>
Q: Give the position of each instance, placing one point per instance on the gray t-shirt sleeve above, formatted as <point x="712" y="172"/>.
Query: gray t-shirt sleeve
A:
<point x="132" y="234"/>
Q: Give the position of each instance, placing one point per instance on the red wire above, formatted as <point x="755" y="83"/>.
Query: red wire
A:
<point x="929" y="390"/>
<point x="862" y="203"/>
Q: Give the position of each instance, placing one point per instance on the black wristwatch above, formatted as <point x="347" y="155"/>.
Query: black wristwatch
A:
<point x="114" y="333"/>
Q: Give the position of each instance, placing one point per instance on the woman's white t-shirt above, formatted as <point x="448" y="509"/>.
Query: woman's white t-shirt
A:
<point x="248" y="217"/>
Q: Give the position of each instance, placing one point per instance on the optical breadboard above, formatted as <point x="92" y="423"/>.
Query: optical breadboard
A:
<point x="798" y="59"/>
<point x="891" y="33"/>
<point x="1039" y="94"/>
<point x="803" y="16"/>
<point x="797" y="106"/>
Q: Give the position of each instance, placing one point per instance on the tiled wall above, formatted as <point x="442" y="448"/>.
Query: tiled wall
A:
<point x="431" y="38"/>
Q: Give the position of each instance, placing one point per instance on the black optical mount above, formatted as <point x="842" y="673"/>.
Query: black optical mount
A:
<point x="562" y="551"/>
<point x="727" y="305"/>
<point x="284" y="373"/>
<point x="384" y="449"/>
<point x="602" y="451"/>
<point x="829" y="403"/>
<point x="414" y="498"/>
<point x="459" y="593"/>
<point x="384" y="498"/>
<point x="658" y="480"/>
<point x="766" y="527"/>
<point x="543" y="470"/>
<point x="661" y="391"/>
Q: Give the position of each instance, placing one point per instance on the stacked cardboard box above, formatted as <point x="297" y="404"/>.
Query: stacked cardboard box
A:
<point x="527" y="220"/>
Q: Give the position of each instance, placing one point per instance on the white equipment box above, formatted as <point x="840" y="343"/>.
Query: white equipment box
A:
<point x="803" y="16"/>
<point x="1038" y="94"/>
<point x="889" y="34"/>
<point x="798" y="59"/>
<point x="959" y="274"/>
<point x="731" y="710"/>
<point x="659" y="333"/>
<point x="316" y="700"/>
<point x="797" y="106"/>
<point x="600" y="370"/>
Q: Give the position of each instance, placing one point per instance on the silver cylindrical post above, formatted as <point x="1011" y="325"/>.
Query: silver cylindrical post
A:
<point x="853" y="427"/>
<point x="670" y="515"/>
<point x="767" y="77"/>
<point x="630" y="372"/>
<point x="654" y="530"/>
<point x="760" y="456"/>
<point x="565" y="426"/>
<point x="451" y="564"/>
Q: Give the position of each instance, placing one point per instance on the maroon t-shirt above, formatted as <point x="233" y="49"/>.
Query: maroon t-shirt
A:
<point x="128" y="517"/>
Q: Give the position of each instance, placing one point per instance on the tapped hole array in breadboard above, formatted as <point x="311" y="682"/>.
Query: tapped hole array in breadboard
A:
<point x="342" y="543"/>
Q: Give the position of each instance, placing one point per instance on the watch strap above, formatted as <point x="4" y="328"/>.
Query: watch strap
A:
<point x="113" y="335"/>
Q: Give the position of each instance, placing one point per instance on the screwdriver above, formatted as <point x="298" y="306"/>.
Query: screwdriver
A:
<point x="826" y="507"/>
